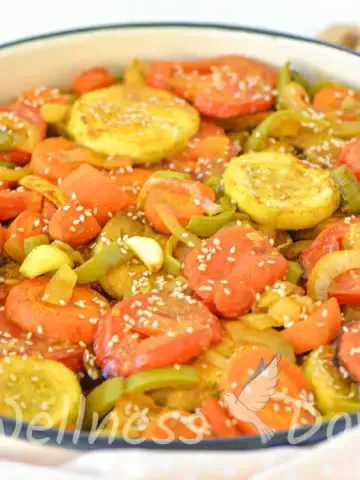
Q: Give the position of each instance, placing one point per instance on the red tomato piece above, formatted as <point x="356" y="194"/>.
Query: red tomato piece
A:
<point x="350" y="156"/>
<point x="348" y="348"/>
<point x="93" y="79"/>
<point x="152" y="331"/>
<point x="15" y="156"/>
<point x="218" y="87"/>
<point x="329" y="240"/>
<point x="228" y="269"/>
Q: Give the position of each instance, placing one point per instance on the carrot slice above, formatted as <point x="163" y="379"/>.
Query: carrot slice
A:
<point x="220" y="422"/>
<point x="15" y="341"/>
<point x="94" y="190"/>
<point x="171" y="425"/>
<point x="218" y="87"/>
<point x="131" y="180"/>
<point x="206" y="154"/>
<point x="291" y="402"/>
<point x="331" y="100"/>
<point x="176" y="194"/>
<point x="73" y="224"/>
<point x="75" y="321"/>
<point x="350" y="156"/>
<point x="38" y="96"/>
<point x="320" y="328"/>
<point x="14" y="202"/>
<point x="152" y="331"/>
<point x="93" y="79"/>
<point x="228" y="269"/>
<point x="57" y="157"/>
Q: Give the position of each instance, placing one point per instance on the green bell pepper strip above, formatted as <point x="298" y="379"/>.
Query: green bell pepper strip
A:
<point x="333" y="393"/>
<point x="7" y="141"/>
<point x="295" y="97"/>
<point x="46" y="188"/>
<point x="346" y="130"/>
<point x="171" y="264"/>
<point x="174" y="227"/>
<point x="31" y="242"/>
<point x="8" y="165"/>
<point x="352" y="237"/>
<point x="207" y="226"/>
<point x="298" y="78"/>
<point x="215" y="183"/>
<point x="97" y="266"/>
<point x="294" y="273"/>
<point x="75" y="256"/>
<point x="289" y="120"/>
<point x="102" y="399"/>
<point x="283" y="79"/>
<point x="183" y="376"/>
<point x="60" y="287"/>
<point x="348" y="187"/>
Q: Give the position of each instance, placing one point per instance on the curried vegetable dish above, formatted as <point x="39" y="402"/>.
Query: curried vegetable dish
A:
<point x="166" y="232"/>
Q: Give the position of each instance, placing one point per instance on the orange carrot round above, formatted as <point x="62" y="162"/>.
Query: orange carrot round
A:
<point x="131" y="181"/>
<point x="320" y="328"/>
<point x="221" y="424"/>
<point x="94" y="190"/>
<point x="177" y="195"/>
<point x="12" y="203"/>
<point x="282" y="410"/>
<point x="73" y="224"/>
<point x="93" y="79"/>
<point x="76" y="321"/>
<point x="56" y="157"/>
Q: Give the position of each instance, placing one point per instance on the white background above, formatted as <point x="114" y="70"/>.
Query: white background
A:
<point x="19" y="18"/>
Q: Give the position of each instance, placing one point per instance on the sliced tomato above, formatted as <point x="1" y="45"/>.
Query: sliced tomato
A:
<point x="228" y="269"/>
<point x="350" y="156"/>
<point x="15" y="156"/>
<point x="206" y="154"/>
<point x="151" y="331"/>
<point x="348" y="350"/>
<point x="15" y="341"/>
<point x="218" y="87"/>
<point x="329" y="240"/>
<point x="12" y="203"/>
<point x="346" y="287"/>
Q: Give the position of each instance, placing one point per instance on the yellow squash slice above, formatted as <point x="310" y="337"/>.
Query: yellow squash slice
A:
<point x="278" y="190"/>
<point x="136" y="121"/>
<point x="42" y="392"/>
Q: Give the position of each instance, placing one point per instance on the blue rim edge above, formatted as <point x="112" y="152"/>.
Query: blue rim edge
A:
<point x="245" y="442"/>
